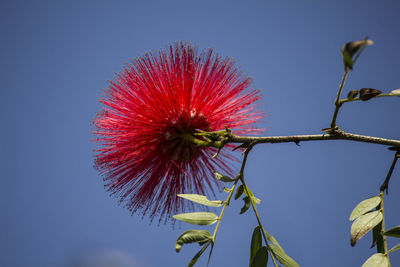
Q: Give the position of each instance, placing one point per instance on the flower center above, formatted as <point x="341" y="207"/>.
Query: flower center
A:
<point x="177" y="144"/>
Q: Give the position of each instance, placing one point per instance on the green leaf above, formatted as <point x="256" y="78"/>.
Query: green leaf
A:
<point x="223" y="178"/>
<point x="396" y="247"/>
<point x="395" y="231"/>
<point x="365" y="206"/>
<point x="192" y="236"/>
<point x="377" y="238"/>
<point x="272" y="240"/>
<point x="249" y="194"/>
<point x="246" y="205"/>
<point x="209" y="255"/>
<point x="280" y="254"/>
<point x="255" y="244"/>
<point x="282" y="257"/>
<point x="377" y="260"/>
<point x="239" y="191"/>
<point x="227" y="190"/>
<point x="198" y="254"/>
<point x="198" y="218"/>
<point x="347" y="60"/>
<point x="201" y="200"/>
<point x="261" y="258"/>
<point x="395" y="92"/>
<point x="351" y="48"/>
<point x="363" y="225"/>
<point x="256" y="200"/>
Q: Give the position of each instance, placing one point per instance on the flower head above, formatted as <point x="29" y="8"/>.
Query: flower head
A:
<point x="150" y="109"/>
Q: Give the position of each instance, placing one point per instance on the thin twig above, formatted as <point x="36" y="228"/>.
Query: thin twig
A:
<point x="226" y="203"/>
<point x="385" y="185"/>
<point x="346" y="100"/>
<point x="337" y="100"/>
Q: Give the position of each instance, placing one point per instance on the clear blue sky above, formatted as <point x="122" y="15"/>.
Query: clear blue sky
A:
<point x="56" y="57"/>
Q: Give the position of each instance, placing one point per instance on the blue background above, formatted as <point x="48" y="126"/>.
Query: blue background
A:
<point x="56" y="57"/>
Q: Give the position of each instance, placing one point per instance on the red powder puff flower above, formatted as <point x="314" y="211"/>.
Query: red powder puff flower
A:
<point x="149" y="108"/>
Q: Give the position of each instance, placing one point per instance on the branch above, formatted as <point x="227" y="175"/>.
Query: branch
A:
<point x="336" y="135"/>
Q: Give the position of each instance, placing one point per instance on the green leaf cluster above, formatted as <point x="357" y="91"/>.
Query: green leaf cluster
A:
<point x="202" y="237"/>
<point x="364" y="219"/>
<point x="258" y="253"/>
